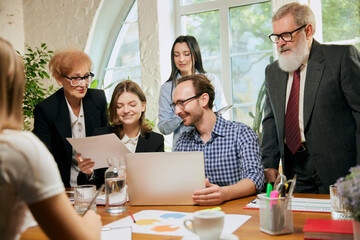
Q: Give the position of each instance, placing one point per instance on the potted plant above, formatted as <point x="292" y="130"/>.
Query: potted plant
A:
<point x="349" y="192"/>
<point x="35" y="61"/>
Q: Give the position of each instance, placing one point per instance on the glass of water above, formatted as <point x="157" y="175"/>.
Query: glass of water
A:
<point x="338" y="211"/>
<point x="115" y="186"/>
<point x="83" y="195"/>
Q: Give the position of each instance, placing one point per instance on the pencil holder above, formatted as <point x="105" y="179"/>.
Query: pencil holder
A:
<point x="275" y="215"/>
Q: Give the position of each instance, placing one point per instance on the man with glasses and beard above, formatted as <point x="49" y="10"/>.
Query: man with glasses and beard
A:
<point x="231" y="150"/>
<point x="312" y="112"/>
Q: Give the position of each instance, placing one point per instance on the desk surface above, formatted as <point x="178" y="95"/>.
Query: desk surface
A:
<point x="250" y="228"/>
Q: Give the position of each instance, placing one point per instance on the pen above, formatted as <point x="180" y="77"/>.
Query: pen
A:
<point x="132" y="216"/>
<point x="94" y="199"/>
<point x="292" y="187"/>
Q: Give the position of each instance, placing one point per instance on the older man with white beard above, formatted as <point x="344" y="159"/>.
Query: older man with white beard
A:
<point x="312" y="112"/>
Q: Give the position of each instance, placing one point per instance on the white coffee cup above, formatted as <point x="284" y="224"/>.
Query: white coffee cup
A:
<point x="208" y="225"/>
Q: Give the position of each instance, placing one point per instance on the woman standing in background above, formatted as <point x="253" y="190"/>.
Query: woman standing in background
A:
<point x="185" y="60"/>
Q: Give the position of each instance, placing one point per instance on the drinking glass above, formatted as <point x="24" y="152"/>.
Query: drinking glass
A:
<point x="115" y="186"/>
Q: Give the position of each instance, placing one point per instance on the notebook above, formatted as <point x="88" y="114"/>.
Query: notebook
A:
<point x="328" y="229"/>
<point x="164" y="178"/>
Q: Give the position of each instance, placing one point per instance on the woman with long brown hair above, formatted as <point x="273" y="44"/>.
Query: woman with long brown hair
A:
<point x="127" y="121"/>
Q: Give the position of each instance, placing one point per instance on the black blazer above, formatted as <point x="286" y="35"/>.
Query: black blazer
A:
<point x="331" y="111"/>
<point x="52" y="125"/>
<point x="150" y="142"/>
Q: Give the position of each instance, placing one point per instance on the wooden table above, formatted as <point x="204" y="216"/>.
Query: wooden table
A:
<point x="249" y="230"/>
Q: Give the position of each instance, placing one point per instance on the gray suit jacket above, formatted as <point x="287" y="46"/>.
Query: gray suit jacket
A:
<point x="331" y="111"/>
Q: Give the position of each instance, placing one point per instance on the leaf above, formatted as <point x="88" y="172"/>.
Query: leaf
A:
<point x="35" y="61"/>
<point x="94" y="83"/>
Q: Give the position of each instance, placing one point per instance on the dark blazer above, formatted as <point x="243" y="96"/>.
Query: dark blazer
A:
<point x="331" y="111"/>
<point x="52" y="125"/>
<point x="150" y="142"/>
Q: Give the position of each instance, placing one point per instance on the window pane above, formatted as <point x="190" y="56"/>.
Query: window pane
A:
<point x="188" y="2"/>
<point x="341" y="21"/>
<point x="120" y="74"/>
<point x="205" y="27"/>
<point x="251" y="51"/>
<point x="124" y="61"/>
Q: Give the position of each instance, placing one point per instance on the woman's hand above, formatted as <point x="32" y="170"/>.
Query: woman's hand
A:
<point x="93" y="220"/>
<point x="85" y="164"/>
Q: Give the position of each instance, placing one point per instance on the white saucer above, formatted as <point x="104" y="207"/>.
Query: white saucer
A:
<point x="224" y="236"/>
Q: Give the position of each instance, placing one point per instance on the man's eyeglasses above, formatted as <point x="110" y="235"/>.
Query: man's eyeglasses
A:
<point x="75" y="81"/>
<point x="286" y="36"/>
<point x="181" y="104"/>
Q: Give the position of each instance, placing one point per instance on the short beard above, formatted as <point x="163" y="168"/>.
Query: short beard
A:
<point x="298" y="55"/>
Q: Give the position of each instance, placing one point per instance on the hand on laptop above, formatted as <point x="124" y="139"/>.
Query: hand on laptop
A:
<point x="211" y="195"/>
<point x="85" y="164"/>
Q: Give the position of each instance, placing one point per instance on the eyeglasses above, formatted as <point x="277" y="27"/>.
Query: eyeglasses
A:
<point x="181" y="104"/>
<point x="75" y="81"/>
<point x="286" y="36"/>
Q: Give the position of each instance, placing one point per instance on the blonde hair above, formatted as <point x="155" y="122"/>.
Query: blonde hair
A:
<point x="63" y="62"/>
<point x="302" y="14"/>
<point x="12" y="84"/>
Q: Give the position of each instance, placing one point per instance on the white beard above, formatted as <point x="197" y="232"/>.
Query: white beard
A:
<point x="291" y="62"/>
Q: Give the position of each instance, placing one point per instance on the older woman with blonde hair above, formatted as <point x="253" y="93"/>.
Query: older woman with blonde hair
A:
<point x="74" y="111"/>
<point x="29" y="178"/>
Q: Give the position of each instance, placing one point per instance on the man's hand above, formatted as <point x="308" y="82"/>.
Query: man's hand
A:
<point x="270" y="174"/>
<point x="85" y="165"/>
<point x="211" y="195"/>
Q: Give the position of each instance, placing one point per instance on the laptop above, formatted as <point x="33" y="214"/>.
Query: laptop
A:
<point x="164" y="178"/>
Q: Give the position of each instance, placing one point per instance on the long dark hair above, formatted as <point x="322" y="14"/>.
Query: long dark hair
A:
<point x="115" y="123"/>
<point x="194" y="52"/>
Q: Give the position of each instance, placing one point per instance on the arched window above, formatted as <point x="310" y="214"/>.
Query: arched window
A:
<point x="114" y="46"/>
<point x="124" y="61"/>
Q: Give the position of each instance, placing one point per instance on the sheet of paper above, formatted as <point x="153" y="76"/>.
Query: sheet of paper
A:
<point x="98" y="148"/>
<point x="171" y="223"/>
<point x="124" y="233"/>
<point x="301" y="204"/>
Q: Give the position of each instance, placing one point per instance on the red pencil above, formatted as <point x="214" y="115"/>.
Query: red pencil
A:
<point x="132" y="217"/>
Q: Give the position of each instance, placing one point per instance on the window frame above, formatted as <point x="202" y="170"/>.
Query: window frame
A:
<point x="224" y="13"/>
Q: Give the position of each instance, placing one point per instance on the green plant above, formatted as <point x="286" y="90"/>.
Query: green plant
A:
<point x="259" y="109"/>
<point x="35" y="61"/>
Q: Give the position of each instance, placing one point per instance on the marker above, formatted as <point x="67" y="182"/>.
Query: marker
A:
<point x="132" y="216"/>
<point x="269" y="188"/>
<point x="212" y="209"/>
<point x="282" y="190"/>
<point x="273" y="194"/>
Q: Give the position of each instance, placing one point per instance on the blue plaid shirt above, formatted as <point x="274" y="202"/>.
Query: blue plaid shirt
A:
<point x="232" y="153"/>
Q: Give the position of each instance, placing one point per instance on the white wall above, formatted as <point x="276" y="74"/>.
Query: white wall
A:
<point x="11" y="23"/>
<point x="59" y="23"/>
